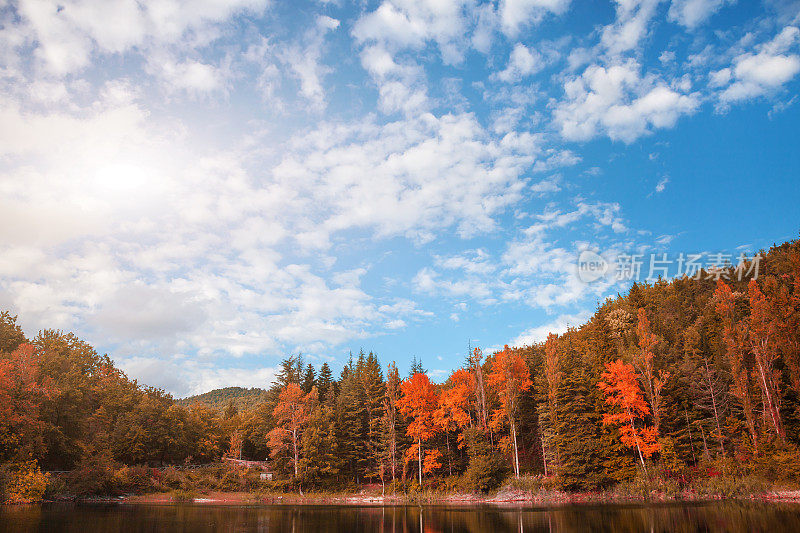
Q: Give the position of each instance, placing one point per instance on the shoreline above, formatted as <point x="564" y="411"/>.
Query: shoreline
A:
<point x="515" y="498"/>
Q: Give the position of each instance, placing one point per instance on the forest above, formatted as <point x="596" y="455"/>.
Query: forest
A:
<point x="674" y="384"/>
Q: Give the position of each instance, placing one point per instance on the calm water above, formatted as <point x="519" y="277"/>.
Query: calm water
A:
<point x="201" y="518"/>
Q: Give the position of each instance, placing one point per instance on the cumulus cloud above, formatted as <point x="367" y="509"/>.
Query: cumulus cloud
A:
<point x="630" y="27"/>
<point x="692" y="13"/>
<point x="196" y="78"/>
<point x="516" y="14"/>
<point x="67" y="33"/>
<point x="426" y="174"/>
<point x="757" y="73"/>
<point x="95" y="254"/>
<point x="617" y="101"/>
<point x="522" y="62"/>
<point x="402" y="24"/>
<point x="410" y="25"/>
<point x="558" y="326"/>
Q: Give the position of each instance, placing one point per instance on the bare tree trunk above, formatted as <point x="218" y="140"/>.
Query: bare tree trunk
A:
<point x="419" y="452"/>
<point x="296" y="454"/>
<point x="516" y="452"/>
<point x="481" y="393"/>
<point x="638" y="449"/>
<point x="766" y="384"/>
<point x="449" y="459"/>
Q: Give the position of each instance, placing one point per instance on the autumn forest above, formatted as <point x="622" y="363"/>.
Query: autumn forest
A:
<point x="673" y="385"/>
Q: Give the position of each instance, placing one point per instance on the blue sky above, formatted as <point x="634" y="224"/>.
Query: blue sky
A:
<point x="202" y="188"/>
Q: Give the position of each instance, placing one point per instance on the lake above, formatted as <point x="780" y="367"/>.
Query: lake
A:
<point x="90" y="518"/>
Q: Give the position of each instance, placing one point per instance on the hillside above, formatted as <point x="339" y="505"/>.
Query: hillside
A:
<point x="244" y="399"/>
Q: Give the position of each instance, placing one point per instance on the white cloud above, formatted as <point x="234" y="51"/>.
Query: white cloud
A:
<point x="401" y="25"/>
<point x="95" y="196"/>
<point x="532" y="270"/>
<point x="662" y="184"/>
<point x="630" y="27"/>
<point x="547" y="185"/>
<point x="516" y="14"/>
<point x="67" y="32"/>
<point x="305" y="62"/>
<point x="692" y="13"/>
<point x="755" y="74"/>
<point x="410" y="24"/>
<point x="401" y="87"/>
<point x="428" y="282"/>
<point x="558" y="326"/>
<point x="426" y="174"/>
<point x="194" y="77"/>
<point x="185" y="377"/>
<point x="618" y="102"/>
<point x="522" y="62"/>
<point x="719" y="78"/>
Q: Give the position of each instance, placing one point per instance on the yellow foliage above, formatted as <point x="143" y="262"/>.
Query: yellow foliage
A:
<point x="25" y="483"/>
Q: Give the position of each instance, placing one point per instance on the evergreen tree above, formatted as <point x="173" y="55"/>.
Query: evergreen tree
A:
<point x="351" y="416"/>
<point x="374" y="391"/>
<point x="601" y="347"/>
<point x="416" y="367"/>
<point x="324" y="381"/>
<point x="320" y="446"/>
<point x="579" y="452"/>
<point x="309" y="379"/>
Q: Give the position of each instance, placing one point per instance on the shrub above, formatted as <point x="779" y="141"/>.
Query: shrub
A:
<point x="23" y="482"/>
<point x="94" y="476"/>
<point x="729" y="486"/>
<point x="183" y="496"/>
<point x="485" y="473"/>
<point x="638" y="488"/>
<point x="134" y="479"/>
<point x="532" y="484"/>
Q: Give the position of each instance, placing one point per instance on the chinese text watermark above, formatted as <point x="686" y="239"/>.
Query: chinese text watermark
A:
<point x="593" y="266"/>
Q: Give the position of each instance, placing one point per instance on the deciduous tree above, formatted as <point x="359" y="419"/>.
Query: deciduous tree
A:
<point x="291" y="414"/>
<point x="621" y="387"/>
<point x="510" y="378"/>
<point x="419" y="402"/>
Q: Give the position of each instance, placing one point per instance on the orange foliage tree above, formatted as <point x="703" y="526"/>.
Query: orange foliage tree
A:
<point x="621" y="387"/>
<point x="21" y="394"/>
<point x="456" y="405"/>
<point x="291" y="414"/>
<point x="419" y="402"/>
<point x="235" y="449"/>
<point x="510" y="378"/>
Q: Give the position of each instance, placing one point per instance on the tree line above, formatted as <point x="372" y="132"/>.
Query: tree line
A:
<point x="674" y="379"/>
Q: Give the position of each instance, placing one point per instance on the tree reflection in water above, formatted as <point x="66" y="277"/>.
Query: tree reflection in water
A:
<point x="718" y="516"/>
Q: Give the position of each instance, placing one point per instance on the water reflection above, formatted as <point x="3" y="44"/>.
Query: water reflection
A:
<point x="728" y="516"/>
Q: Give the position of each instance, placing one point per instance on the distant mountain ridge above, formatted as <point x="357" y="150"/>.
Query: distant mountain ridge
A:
<point x="244" y="399"/>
